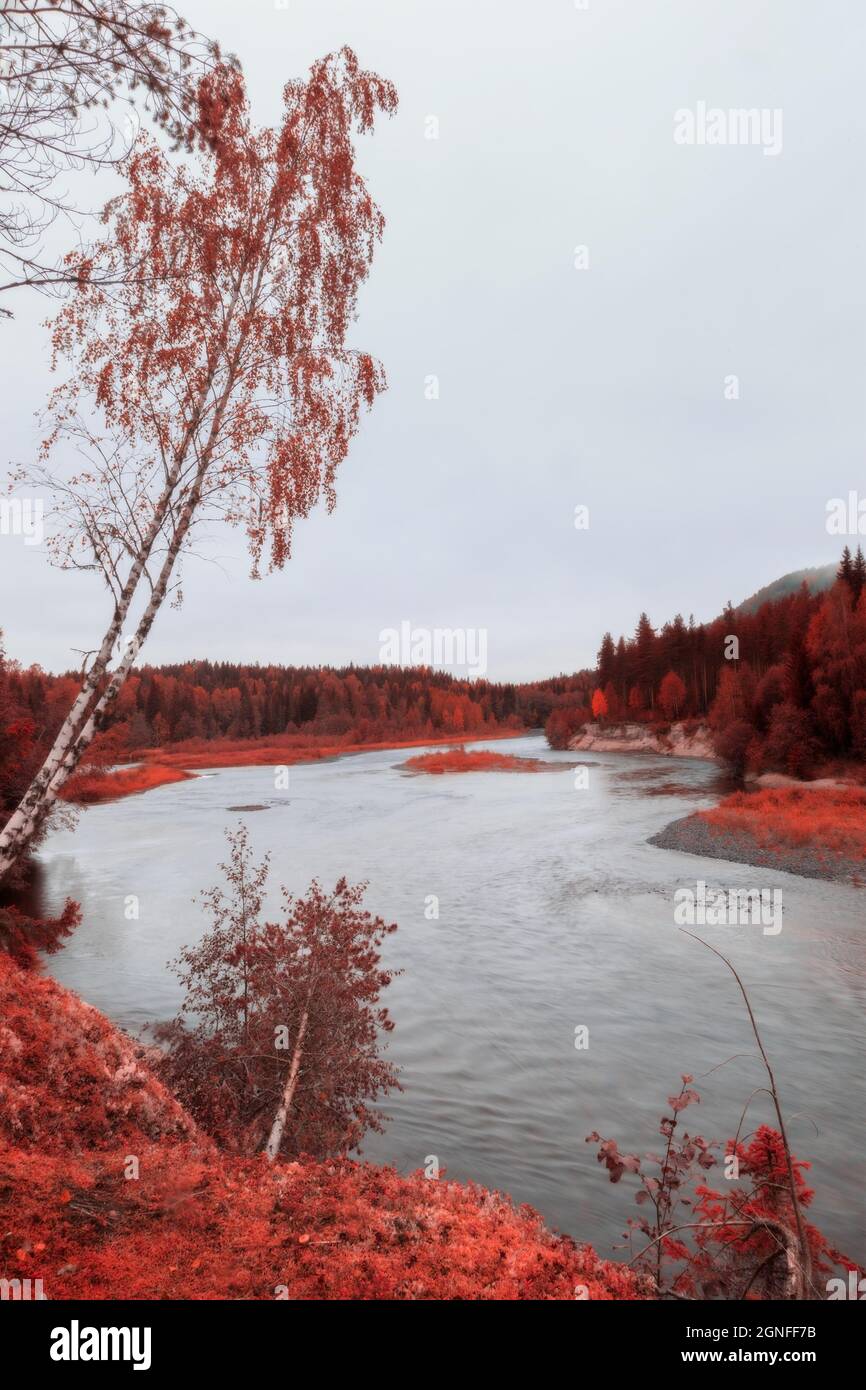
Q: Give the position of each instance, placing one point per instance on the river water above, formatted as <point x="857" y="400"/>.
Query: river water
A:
<point x="553" y="914"/>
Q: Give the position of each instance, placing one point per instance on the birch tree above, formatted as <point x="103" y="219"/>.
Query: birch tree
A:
<point x="221" y="390"/>
<point x="277" y="1047"/>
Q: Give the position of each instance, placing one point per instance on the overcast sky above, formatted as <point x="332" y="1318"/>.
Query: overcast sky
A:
<point x="559" y="387"/>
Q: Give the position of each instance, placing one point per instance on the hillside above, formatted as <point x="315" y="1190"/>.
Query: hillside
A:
<point x="108" y="1190"/>
<point x="816" y="580"/>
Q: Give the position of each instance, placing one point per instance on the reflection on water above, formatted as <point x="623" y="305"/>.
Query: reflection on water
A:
<point x="554" y="912"/>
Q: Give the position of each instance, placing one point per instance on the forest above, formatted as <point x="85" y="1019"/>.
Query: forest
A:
<point x="202" y="701"/>
<point x="783" y="688"/>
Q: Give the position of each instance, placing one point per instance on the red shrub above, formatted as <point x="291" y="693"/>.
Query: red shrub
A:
<point x="694" y="1241"/>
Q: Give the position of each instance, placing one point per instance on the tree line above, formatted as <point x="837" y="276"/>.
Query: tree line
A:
<point x="781" y="688"/>
<point x="162" y="706"/>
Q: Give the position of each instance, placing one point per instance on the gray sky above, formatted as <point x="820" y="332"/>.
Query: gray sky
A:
<point x="603" y="386"/>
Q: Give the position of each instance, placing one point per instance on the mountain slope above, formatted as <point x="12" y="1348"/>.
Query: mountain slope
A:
<point x="816" y="579"/>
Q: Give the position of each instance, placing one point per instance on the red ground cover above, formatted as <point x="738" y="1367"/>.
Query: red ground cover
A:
<point x="78" y="1102"/>
<point x="479" y="760"/>
<point x="824" y="819"/>
<point x="92" y="786"/>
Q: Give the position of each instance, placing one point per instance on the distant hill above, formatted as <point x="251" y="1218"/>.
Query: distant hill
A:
<point x="816" y="580"/>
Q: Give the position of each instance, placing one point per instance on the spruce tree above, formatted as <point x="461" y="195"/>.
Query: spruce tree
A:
<point x="845" y="567"/>
<point x="858" y="575"/>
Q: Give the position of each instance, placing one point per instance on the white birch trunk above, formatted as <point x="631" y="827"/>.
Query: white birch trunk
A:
<point x="275" y="1139"/>
<point x="79" y="727"/>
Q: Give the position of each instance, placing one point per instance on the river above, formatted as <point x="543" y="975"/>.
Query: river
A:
<point x="554" y="914"/>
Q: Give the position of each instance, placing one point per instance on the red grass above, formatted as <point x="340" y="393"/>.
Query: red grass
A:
<point x="79" y="1099"/>
<point x="829" y="819"/>
<point x="89" y="787"/>
<point x="459" y="760"/>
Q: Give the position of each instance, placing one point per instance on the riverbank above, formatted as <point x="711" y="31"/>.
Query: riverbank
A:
<point x="198" y="754"/>
<point x="80" y="1104"/>
<point x="679" y="740"/>
<point x="814" y="831"/>
<point x="91" y="788"/>
<point x="159" y="766"/>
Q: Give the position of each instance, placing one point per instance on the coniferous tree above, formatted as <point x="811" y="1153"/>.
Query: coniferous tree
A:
<point x="606" y="659"/>
<point x="845" y="566"/>
<point x="858" y="575"/>
<point x="644" y="641"/>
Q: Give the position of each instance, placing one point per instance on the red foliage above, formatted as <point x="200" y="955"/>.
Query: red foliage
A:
<point x="255" y="253"/>
<point x="23" y="937"/>
<point x="77" y="1101"/>
<point x="830" y="820"/>
<point x="734" y="1244"/>
<point x="479" y="760"/>
<point x="208" y="372"/>
<point x="194" y="1227"/>
<point x="789" y="696"/>
<point x="733" y="743"/>
<point x="28" y="704"/>
<point x="70" y="1082"/>
<point x="289" y="1007"/>
<point x="564" y="722"/>
<point x="746" y="1244"/>
<point x="91" y="786"/>
<point x="672" y="695"/>
<point x="599" y="704"/>
<point x="287" y="750"/>
<point x="230" y="714"/>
